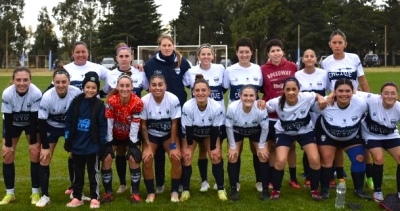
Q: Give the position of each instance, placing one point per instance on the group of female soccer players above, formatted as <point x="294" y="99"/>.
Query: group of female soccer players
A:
<point x="140" y="130"/>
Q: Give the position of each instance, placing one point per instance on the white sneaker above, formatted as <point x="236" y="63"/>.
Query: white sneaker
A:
<point x="378" y="196"/>
<point x="238" y="187"/>
<point x="43" y="201"/>
<point x="180" y="189"/>
<point x="215" y="186"/>
<point x="259" y="186"/>
<point x="84" y="198"/>
<point x="122" y="188"/>
<point x="204" y="186"/>
<point x="159" y="189"/>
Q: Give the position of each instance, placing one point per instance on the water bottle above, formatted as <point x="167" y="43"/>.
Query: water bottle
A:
<point x="340" y="194"/>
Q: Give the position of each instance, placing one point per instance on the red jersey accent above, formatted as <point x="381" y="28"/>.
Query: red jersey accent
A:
<point x="123" y="115"/>
<point x="273" y="78"/>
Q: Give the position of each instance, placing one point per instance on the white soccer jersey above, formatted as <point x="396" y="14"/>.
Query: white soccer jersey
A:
<point x="343" y="124"/>
<point x="21" y="106"/>
<point x="159" y="116"/>
<point x="77" y="72"/>
<point x="236" y="76"/>
<point x="202" y="121"/>
<point x="246" y="124"/>
<point x="296" y="119"/>
<point x="380" y="123"/>
<point x="214" y="76"/>
<point x="53" y="108"/>
<point x="349" y="67"/>
<point x="139" y="79"/>
<point x="316" y="82"/>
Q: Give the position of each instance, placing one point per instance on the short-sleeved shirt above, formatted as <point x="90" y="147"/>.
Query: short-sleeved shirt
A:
<point x="139" y="81"/>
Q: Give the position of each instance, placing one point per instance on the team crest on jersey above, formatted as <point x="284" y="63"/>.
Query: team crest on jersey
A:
<point x="344" y="120"/>
<point x="234" y="121"/>
<point x="330" y="119"/>
<point x="47" y="134"/>
<point x="303" y="111"/>
<point x="277" y="139"/>
<point x="254" y="122"/>
<point x="216" y="79"/>
<point x="393" y="121"/>
<point x="323" y="138"/>
<point x="135" y="81"/>
<point x="255" y="78"/>
<point x="354" y="118"/>
<point x="29" y="105"/>
<point x="114" y="82"/>
<point x="310" y="84"/>
<point x="374" y="114"/>
<point x="236" y="79"/>
<point x="247" y="79"/>
<point x="319" y="83"/>
<point x="53" y="110"/>
<point x="184" y="113"/>
<point x="158" y="72"/>
<point x="43" y="108"/>
<point x="210" y="119"/>
<point x="167" y="111"/>
<point x="129" y="118"/>
<point x="177" y="70"/>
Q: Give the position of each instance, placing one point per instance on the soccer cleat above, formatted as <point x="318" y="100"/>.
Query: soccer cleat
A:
<point x="7" y="199"/>
<point x="43" y="201"/>
<point x="107" y="198"/>
<point x="378" y="196"/>
<point x="332" y="184"/>
<point x="294" y="184"/>
<point x="238" y="187"/>
<point x="234" y="195"/>
<point x="307" y="184"/>
<point x="69" y="191"/>
<point x="122" y="188"/>
<point x="370" y="183"/>
<point x="316" y="195"/>
<point x="222" y="195"/>
<point x="215" y="186"/>
<point x="204" y="186"/>
<point x="94" y="204"/>
<point x="361" y="194"/>
<point x="135" y="198"/>
<point x="259" y="186"/>
<point x="174" y="197"/>
<point x="150" y="198"/>
<point x="75" y="203"/>
<point x="325" y="193"/>
<point x="264" y="195"/>
<point x="85" y="198"/>
<point x="160" y="189"/>
<point x="35" y="197"/>
<point x="275" y="195"/>
<point x="184" y="196"/>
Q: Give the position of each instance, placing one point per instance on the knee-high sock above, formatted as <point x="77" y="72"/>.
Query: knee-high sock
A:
<point x="218" y="172"/>
<point x="264" y="174"/>
<point x="44" y="172"/>
<point x="292" y="172"/>
<point x="358" y="180"/>
<point x="314" y="175"/>
<point x="398" y="178"/>
<point x="159" y="166"/>
<point x="369" y="170"/>
<point x="120" y="164"/>
<point x="106" y="175"/>
<point x="203" y="164"/>
<point x="326" y="176"/>
<point x="377" y="177"/>
<point x="306" y="166"/>
<point x="233" y="175"/>
<point x="277" y="178"/>
<point x="186" y="175"/>
<point x="35" y="175"/>
<point x="135" y="179"/>
<point x="9" y="175"/>
<point x="256" y="166"/>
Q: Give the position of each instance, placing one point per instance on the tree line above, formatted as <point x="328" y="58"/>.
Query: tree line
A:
<point x="102" y="24"/>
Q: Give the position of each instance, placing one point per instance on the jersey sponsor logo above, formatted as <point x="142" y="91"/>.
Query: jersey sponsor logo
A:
<point x="83" y="125"/>
<point x="216" y="93"/>
<point x="295" y="125"/>
<point x="163" y="125"/>
<point x="216" y="79"/>
<point x="339" y="75"/>
<point x="354" y="118"/>
<point x="323" y="137"/>
<point x="157" y="72"/>
<point x="57" y="118"/>
<point x="120" y="126"/>
<point x="255" y="78"/>
<point x="376" y="128"/>
<point x="201" y="131"/>
<point x="340" y="132"/>
<point x="279" y="73"/>
<point x="319" y="83"/>
<point x="21" y="116"/>
<point x="247" y="131"/>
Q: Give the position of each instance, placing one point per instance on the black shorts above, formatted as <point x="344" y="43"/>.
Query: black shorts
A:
<point x="223" y="135"/>
<point x="271" y="133"/>
<point x="116" y="142"/>
<point x="17" y="131"/>
<point x="159" y="140"/>
<point x="252" y="138"/>
<point x="54" y="133"/>
<point x="323" y="139"/>
<point x="302" y="139"/>
<point x="385" y="144"/>
<point x="199" y="139"/>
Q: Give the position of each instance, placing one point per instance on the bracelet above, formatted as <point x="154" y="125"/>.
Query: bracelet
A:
<point x="172" y="145"/>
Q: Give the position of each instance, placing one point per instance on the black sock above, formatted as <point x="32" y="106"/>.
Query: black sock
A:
<point x="135" y="179"/>
<point x="369" y="170"/>
<point x="9" y="175"/>
<point x="277" y="178"/>
<point x="106" y="175"/>
<point x="35" y="175"/>
<point x="175" y="185"/>
<point x="186" y="175"/>
<point x="306" y="166"/>
<point x="203" y="165"/>
<point x="264" y="174"/>
<point x="239" y="163"/>
<point x="256" y="166"/>
<point x="233" y="175"/>
<point x="218" y="172"/>
<point x="398" y="178"/>
<point x="149" y="183"/>
<point x="326" y="176"/>
<point x="120" y="164"/>
<point x="71" y="170"/>
<point x="269" y="176"/>
<point x="339" y="172"/>
<point x="292" y="172"/>
<point x="377" y="177"/>
<point x="314" y="175"/>
<point x="44" y="172"/>
<point x="358" y="180"/>
<point x="159" y="166"/>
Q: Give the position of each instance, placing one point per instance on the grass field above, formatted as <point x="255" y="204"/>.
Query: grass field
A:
<point x="290" y="199"/>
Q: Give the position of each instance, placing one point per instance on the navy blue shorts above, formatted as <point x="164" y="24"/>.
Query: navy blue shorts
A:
<point x="302" y="139"/>
<point x="54" y="133"/>
<point x="323" y="139"/>
<point x="116" y="142"/>
<point x="223" y="133"/>
<point x="252" y="138"/>
<point x="271" y="133"/>
<point x="385" y="144"/>
<point x="159" y="140"/>
<point x="17" y="131"/>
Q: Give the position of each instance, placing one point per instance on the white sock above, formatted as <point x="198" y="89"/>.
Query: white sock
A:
<point x="10" y="191"/>
<point x="35" y="190"/>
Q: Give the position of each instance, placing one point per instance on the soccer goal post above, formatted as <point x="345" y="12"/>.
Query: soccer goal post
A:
<point x="189" y="52"/>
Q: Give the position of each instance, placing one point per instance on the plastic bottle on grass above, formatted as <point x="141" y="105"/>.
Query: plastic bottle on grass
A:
<point x="340" y="194"/>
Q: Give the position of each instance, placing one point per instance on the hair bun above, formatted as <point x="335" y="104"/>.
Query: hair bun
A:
<point x="199" y="77"/>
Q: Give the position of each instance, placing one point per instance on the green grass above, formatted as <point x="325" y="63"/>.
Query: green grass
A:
<point x="290" y="199"/>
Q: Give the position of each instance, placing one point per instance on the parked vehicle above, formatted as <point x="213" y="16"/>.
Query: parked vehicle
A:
<point x="371" y="60"/>
<point x="226" y="62"/>
<point x="321" y="59"/>
<point x="108" y="62"/>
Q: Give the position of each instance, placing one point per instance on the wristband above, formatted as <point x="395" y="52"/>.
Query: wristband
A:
<point x="172" y="145"/>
